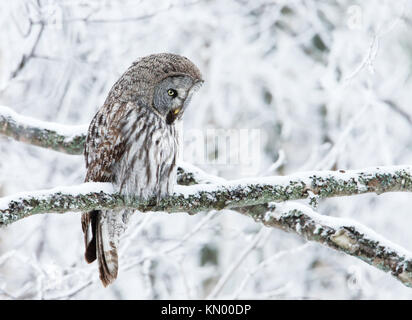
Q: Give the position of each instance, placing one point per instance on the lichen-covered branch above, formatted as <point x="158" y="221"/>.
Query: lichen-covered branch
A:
<point x="227" y="195"/>
<point x="339" y="234"/>
<point x="62" y="138"/>
<point x="343" y="235"/>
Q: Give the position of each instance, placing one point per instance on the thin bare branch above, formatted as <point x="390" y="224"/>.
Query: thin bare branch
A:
<point x="398" y="110"/>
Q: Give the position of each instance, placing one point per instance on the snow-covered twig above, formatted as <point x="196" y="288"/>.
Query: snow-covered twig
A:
<point x="265" y="263"/>
<point x="263" y="233"/>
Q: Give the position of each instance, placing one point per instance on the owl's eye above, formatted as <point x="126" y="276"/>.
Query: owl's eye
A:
<point x="172" y="92"/>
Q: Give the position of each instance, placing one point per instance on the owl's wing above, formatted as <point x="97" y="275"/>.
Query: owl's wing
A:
<point x="105" y="143"/>
<point x="104" y="147"/>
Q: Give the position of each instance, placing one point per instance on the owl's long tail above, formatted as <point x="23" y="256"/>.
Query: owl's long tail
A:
<point x="102" y="245"/>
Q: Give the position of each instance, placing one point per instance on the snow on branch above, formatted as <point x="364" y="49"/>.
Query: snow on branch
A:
<point x="58" y="137"/>
<point x="200" y="197"/>
<point x="343" y="235"/>
<point x="250" y="198"/>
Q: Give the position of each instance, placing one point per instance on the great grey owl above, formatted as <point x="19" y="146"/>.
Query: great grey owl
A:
<point x="132" y="142"/>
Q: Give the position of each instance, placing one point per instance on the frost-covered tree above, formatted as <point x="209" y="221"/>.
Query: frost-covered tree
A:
<point x="307" y="92"/>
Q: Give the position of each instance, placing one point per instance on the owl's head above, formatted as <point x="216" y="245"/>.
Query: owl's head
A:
<point x="173" y="94"/>
<point x="164" y="83"/>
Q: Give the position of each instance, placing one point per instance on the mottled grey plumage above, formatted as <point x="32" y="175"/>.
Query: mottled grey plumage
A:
<point x="133" y="143"/>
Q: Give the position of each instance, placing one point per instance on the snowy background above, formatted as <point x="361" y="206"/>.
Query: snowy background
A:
<point x="324" y="84"/>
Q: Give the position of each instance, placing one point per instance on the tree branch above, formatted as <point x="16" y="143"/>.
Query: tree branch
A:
<point x="58" y="137"/>
<point x="343" y="235"/>
<point x="227" y="195"/>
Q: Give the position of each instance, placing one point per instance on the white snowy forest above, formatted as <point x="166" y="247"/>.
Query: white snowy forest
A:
<point x="297" y="88"/>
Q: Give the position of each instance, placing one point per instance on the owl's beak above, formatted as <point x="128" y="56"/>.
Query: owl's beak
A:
<point x="176" y="111"/>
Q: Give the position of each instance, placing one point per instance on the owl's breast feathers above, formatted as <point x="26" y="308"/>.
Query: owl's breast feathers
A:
<point x="133" y="148"/>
